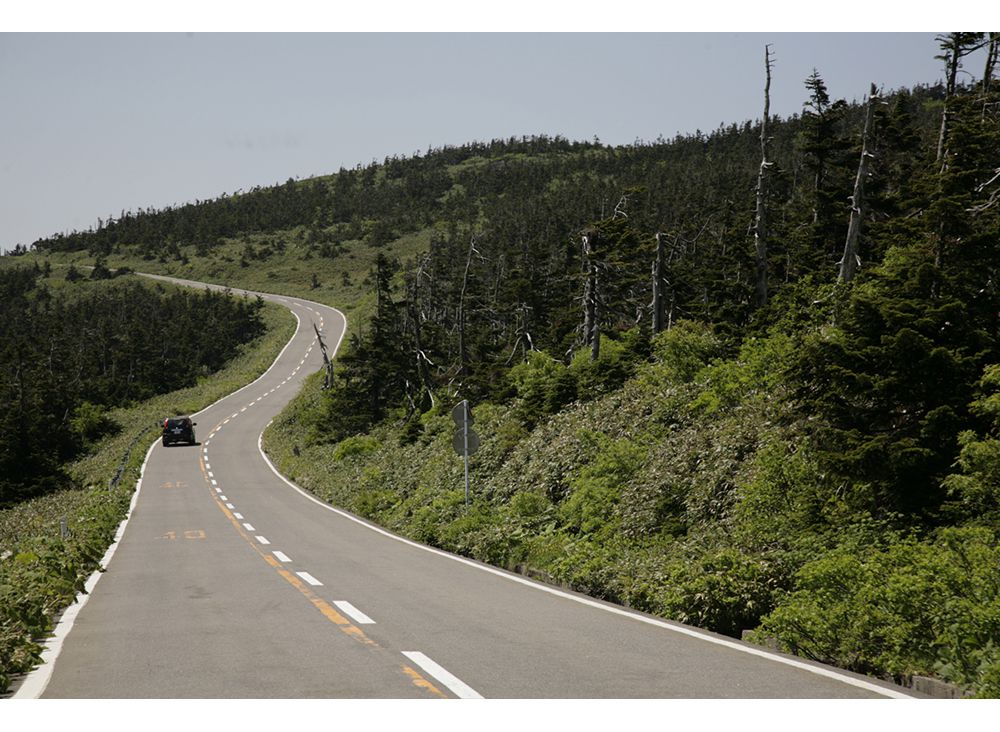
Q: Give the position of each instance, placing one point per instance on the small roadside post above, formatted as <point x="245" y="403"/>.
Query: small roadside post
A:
<point x="465" y="441"/>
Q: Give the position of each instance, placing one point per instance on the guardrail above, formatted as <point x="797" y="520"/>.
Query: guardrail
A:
<point x="113" y="482"/>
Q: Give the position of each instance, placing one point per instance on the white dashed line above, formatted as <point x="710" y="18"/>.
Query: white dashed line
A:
<point x="309" y="578"/>
<point x="282" y="557"/>
<point x="211" y="474"/>
<point x="262" y="540"/>
<point x="248" y="527"/>
<point x="458" y="687"/>
<point x="356" y="615"/>
<point x="214" y="482"/>
<point x="218" y="490"/>
<point x="238" y="516"/>
<point x="230" y="506"/>
<point x="226" y="421"/>
<point x="223" y="498"/>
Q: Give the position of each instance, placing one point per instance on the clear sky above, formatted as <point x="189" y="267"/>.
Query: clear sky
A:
<point x="96" y="123"/>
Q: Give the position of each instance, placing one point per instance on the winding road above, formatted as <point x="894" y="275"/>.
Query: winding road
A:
<point x="228" y="581"/>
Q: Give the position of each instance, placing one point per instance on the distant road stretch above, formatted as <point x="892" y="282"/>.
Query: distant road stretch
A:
<point x="229" y="581"/>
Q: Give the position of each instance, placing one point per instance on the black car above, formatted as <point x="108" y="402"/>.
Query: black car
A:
<point x="178" y="429"/>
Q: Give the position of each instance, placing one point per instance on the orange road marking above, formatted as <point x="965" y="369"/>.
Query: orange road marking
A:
<point x="422" y="683"/>
<point x="331" y="614"/>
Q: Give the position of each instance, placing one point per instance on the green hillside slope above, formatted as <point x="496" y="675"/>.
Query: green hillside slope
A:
<point x="813" y="463"/>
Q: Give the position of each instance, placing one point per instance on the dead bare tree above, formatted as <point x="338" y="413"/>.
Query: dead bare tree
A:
<point x="760" y="216"/>
<point x="415" y="315"/>
<point x="992" y="55"/>
<point x="463" y="355"/>
<point x="850" y="261"/>
<point x="955" y="47"/>
<point x="994" y="196"/>
<point x="658" y="282"/>
<point x="591" y="298"/>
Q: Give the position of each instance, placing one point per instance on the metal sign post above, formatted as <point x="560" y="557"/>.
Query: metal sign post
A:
<point x="465" y="441"/>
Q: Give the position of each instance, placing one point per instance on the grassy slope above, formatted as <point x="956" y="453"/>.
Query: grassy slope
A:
<point x="289" y="272"/>
<point x="679" y="494"/>
<point x="40" y="570"/>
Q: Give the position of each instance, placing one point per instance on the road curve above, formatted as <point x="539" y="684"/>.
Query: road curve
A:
<point x="231" y="582"/>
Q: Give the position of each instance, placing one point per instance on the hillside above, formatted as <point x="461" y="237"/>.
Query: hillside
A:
<point x="686" y="405"/>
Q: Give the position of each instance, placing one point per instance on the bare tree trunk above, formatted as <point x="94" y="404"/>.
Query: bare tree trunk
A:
<point x="413" y="308"/>
<point x="463" y="356"/>
<point x="591" y="327"/>
<point x="658" y="285"/>
<point x="760" y="217"/>
<point x="595" y="342"/>
<point x="955" y="46"/>
<point x="849" y="263"/>
<point x="992" y="53"/>
<point x="952" y="62"/>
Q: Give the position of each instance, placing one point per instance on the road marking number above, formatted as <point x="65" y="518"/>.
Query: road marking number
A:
<point x="191" y="534"/>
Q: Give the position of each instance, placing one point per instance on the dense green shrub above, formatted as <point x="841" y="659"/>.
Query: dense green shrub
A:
<point x="977" y="486"/>
<point x="900" y="607"/>
<point x="684" y="350"/>
<point x="617" y="362"/>
<point x="356" y="445"/>
<point x="595" y="490"/>
<point x="41" y="571"/>
<point x="543" y="385"/>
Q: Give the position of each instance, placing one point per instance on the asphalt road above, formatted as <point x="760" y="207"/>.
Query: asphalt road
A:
<point x="229" y="582"/>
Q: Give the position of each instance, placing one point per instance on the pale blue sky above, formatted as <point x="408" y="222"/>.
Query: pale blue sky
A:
<point x="94" y="123"/>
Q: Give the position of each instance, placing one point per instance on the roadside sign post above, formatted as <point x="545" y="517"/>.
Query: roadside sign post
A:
<point x="465" y="441"/>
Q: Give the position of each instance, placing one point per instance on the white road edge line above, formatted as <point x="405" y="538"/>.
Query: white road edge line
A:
<point x="36" y="681"/>
<point x="734" y="645"/>
<point x="308" y="578"/>
<point x="356" y="615"/>
<point x="458" y="687"/>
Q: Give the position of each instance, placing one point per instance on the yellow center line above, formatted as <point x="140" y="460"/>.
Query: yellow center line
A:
<point x="421" y="682"/>
<point x="329" y="612"/>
